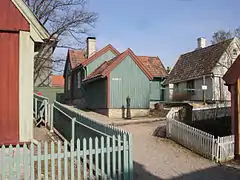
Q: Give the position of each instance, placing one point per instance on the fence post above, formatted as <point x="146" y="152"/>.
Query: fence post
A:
<point x="51" y="118"/>
<point x="46" y="112"/>
<point x="213" y="148"/>
<point x="218" y="150"/>
<point x="36" y="110"/>
<point x="73" y="129"/>
<point x="130" y="159"/>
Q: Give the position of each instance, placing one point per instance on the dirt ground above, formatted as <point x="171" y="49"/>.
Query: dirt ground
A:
<point x="159" y="158"/>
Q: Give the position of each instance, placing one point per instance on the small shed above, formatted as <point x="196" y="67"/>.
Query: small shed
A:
<point x="232" y="80"/>
<point x="20" y="33"/>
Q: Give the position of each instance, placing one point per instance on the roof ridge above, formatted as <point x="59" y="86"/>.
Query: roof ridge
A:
<point x="99" y="53"/>
<point x="230" y="40"/>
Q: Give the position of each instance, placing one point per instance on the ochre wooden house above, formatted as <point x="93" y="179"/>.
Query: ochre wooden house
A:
<point x="20" y="34"/>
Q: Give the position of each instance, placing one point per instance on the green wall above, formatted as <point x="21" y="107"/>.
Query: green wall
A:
<point x="78" y="92"/>
<point x="127" y="79"/>
<point x="98" y="61"/>
<point x="156" y="93"/>
<point x="50" y="92"/>
<point x="96" y="94"/>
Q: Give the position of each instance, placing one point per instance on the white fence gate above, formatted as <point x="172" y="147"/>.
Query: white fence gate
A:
<point x="225" y="148"/>
<point x="220" y="149"/>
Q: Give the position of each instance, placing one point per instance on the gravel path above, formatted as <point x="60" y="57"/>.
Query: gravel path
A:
<point x="158" y="158"/>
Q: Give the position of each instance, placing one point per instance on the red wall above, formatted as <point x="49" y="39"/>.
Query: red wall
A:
<point x="11" y="19"/>
<point x="9" y="89"/>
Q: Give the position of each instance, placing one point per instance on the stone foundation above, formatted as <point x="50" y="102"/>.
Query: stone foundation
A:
<point x="117" y="113"/>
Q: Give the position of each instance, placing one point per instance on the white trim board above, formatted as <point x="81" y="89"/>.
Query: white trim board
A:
<point x="38" y="31"/>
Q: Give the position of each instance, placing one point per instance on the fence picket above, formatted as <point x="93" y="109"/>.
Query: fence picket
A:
<point x="18" y="161"/>
<point x="52" y="159"/>
<point x="65" y="160"/>
<point x="72" y="159"/>
<point x="113" y="157"/>
<point x="78" y="160"/>
<point x="25" y="162"/>
<point x="84" y="159"/>
<point x="96" y="158"/>
<point x="102" y="158"/>
<point x="130" y="157"/>
<point x="32" y="161"/>
<point x="125" y="155"/>
<point x="59" y="161"/>
<point x="39" y="159"/>
<point x="108" y="158"/>
<point x="10" y="161"/>
<point x="90" y="159"/>
<point x="119" y="157"/>
<point x="45" y="160"/>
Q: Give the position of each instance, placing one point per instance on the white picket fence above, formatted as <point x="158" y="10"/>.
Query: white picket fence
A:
<point x="220" y="149"/>
<point x="225" y="148"/>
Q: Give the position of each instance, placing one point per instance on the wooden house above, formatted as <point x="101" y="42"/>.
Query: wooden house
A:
<point x="102" y="80"/>
<point x="232" y="80"/>
<point x="20" y="34"/>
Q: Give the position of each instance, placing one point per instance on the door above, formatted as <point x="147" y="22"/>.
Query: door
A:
<point x="9" y="88"/>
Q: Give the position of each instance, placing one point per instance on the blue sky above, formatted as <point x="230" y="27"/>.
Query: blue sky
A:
<point x="164" y="28"/>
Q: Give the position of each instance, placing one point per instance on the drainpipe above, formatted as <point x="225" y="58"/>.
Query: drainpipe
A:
<point x="213" y="86"/>
<point x="85" y="72"/>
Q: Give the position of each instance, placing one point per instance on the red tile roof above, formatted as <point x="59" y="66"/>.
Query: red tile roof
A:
<point x="153" y="65"/>
<point x="76" y="57"/>
<point x="99" y="53"/>
<point x="106" y="67"/>
<point x="57" y="81"/>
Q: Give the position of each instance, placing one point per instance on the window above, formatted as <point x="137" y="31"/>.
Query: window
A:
<point x="68" y="83"/>
<point x="190" y="86"/>
<point x="79" y="80"/>
<point x="176" y="86"/>
<point x="234" y="52"/>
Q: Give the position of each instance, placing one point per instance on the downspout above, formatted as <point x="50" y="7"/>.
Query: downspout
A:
<point x="213" y="88"/>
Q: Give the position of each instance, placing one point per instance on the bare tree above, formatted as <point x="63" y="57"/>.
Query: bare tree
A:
<point x="222" y="35"/>
<point x="68" y="22"/>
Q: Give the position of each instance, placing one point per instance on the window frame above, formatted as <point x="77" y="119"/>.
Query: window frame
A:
<point x="191" y="85"/>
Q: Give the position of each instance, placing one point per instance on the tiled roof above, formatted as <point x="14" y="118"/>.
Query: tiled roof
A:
<point x="197" y="63"/>
<point x="99" y="53"/>
<point x="101" y="69"/>
<point x="57" y="81"/>
<point x="106" y="67"/>
<point x="76" y="57"/>
<point x="153" y="65"/>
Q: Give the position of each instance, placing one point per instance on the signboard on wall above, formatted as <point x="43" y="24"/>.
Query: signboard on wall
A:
<point x="204" y="87"/>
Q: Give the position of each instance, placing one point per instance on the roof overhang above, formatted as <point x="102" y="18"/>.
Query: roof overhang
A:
<point x="93" y="79"/>
<point x="38" y="32"/>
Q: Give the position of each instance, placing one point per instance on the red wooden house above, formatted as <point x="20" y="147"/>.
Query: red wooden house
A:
<point x="20" y="32"/>
<point x="232" y="79"/>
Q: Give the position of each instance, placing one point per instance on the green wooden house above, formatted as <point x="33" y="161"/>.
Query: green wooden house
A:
<point x="103" y="81"/>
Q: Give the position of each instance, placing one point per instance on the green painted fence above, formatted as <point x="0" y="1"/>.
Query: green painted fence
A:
<point x="58" y="161"/>
<point x="72" y="125"/>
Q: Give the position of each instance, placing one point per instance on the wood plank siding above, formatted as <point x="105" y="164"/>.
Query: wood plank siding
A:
<point x="9" y="91"/>
<point x="11" y="19"/>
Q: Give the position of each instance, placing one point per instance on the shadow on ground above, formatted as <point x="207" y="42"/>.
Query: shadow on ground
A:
<point x="218" y="172"/>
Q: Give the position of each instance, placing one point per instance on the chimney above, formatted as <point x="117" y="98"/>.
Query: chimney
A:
<point x="91" y="46"/>
<point x="202" y="42"/>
